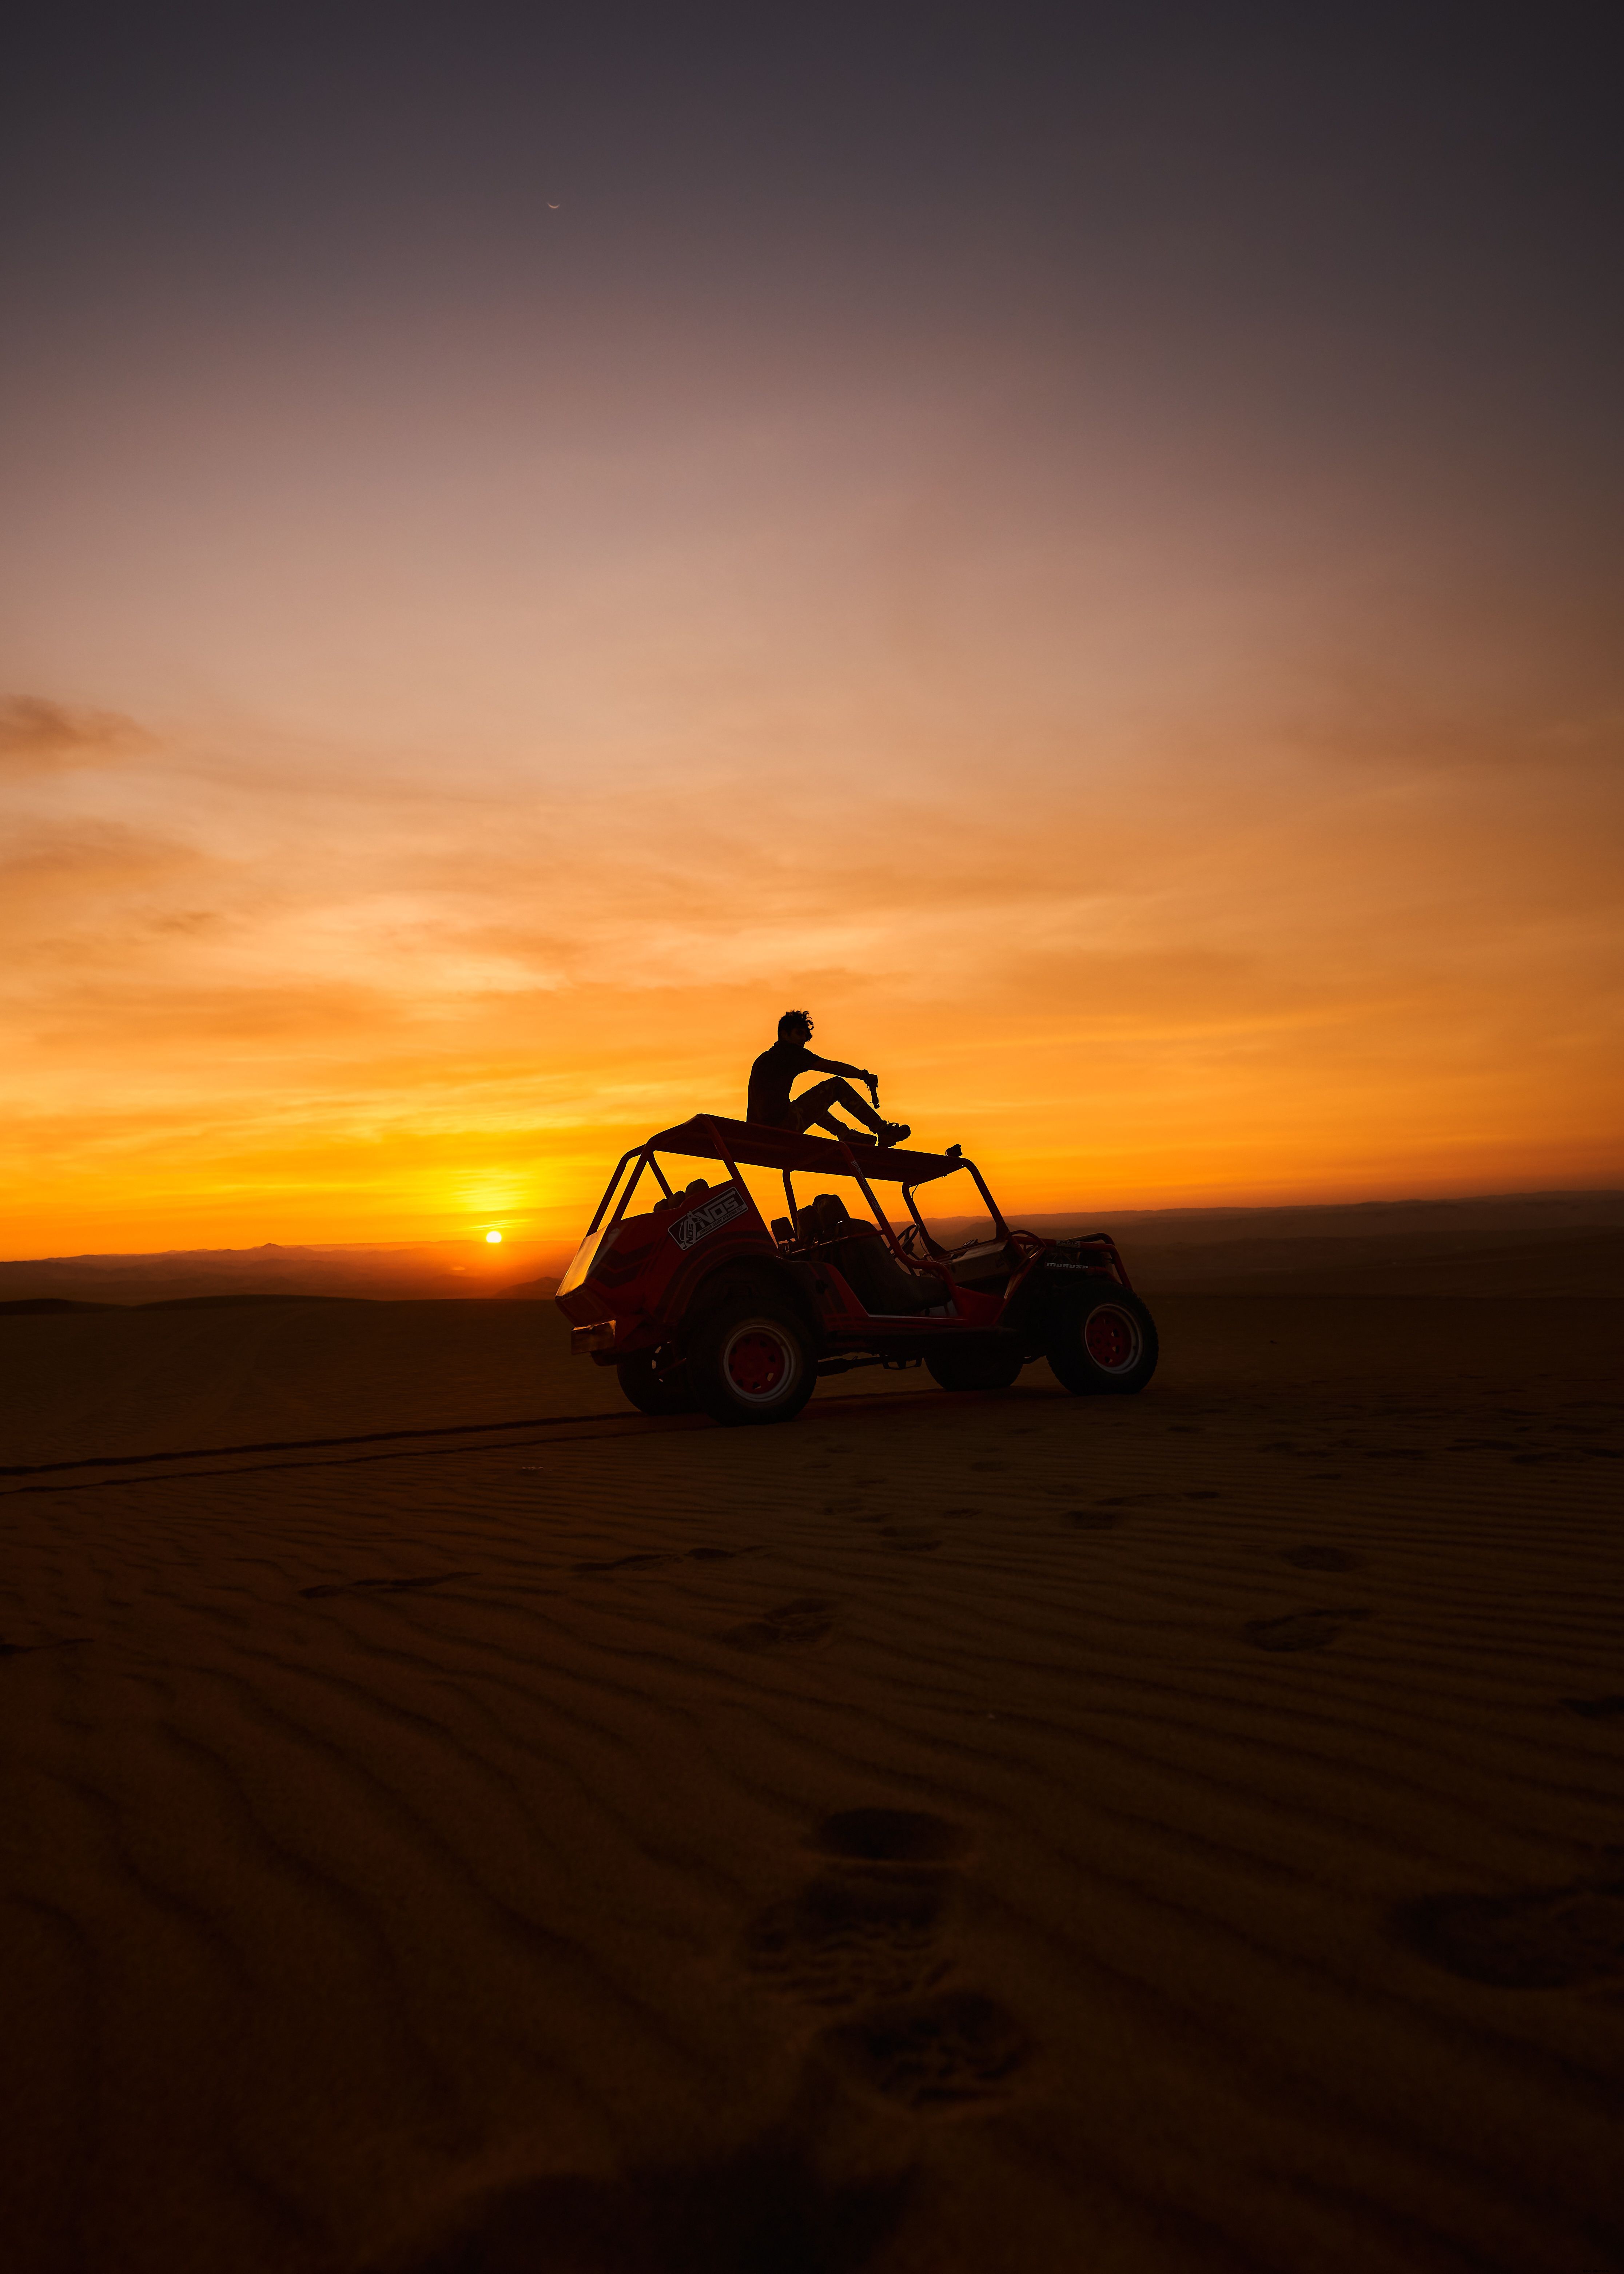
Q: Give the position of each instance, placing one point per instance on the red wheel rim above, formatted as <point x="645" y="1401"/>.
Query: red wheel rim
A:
<point x="1111" y="1339"/>
<point x="757" y="1362"/>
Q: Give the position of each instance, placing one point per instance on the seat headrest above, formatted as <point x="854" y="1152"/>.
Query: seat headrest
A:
<point x="681" y="1198"/>
<point x="827" y="1216"/>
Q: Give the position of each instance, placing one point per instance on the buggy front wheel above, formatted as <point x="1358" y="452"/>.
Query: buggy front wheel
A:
<point x="1106" y="1347"/>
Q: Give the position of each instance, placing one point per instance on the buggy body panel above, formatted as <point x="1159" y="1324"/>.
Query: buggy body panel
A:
<point x="862" y="1291"/>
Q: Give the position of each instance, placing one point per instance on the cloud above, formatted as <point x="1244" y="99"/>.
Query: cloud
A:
<point x="58" y="875"/>
<point x="299" y="996"/>
<point x="38" y="737"/>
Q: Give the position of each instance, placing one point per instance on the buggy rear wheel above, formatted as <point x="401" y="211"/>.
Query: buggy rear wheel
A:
<point x="749" y="1362"/>
<point x="652" y="1392"/>
<point x="974" y="1366"/>
<point x="1106" y="1347"/>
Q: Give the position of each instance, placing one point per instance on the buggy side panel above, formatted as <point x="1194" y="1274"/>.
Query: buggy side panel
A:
<point x="646" y="1267"/>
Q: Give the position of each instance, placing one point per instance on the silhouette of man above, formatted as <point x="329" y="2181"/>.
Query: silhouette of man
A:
<point x="773" y="1072"/>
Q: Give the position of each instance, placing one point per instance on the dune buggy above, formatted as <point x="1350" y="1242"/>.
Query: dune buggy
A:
<point x="700" y="1304"/>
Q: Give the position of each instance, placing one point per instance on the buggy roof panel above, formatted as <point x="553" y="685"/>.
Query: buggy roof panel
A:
<point x="758" y="1145"/>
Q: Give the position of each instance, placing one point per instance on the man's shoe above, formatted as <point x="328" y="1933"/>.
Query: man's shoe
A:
<point x="893" y="1133"/>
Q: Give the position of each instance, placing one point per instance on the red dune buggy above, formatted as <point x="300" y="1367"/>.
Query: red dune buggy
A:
<point x="699" y="1303"/>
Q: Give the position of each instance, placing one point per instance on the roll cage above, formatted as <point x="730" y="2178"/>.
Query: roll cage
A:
<point x="756" y="1145"/>
<point x="651" y="1292"/>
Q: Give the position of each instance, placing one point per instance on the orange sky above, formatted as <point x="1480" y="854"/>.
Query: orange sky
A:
<point x="254" y="997"/>
<point x="451" y="717"/>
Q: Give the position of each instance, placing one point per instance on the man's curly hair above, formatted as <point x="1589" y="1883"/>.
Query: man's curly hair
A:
<point x="792" y="1020"/>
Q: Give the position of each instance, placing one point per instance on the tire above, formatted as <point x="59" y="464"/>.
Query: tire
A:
<point x="1106" y="1347"/>
<point x="978" y="1366"/>
<point x="749" y="1362"/>
<point x="655" y="1393"/>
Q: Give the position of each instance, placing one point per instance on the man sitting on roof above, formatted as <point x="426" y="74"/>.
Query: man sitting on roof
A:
<point x="773" y="1072"/>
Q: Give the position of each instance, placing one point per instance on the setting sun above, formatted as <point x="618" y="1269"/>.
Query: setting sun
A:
<point x="493" y="1238"/>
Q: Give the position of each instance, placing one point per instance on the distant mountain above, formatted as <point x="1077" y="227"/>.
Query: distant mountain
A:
<point x="383" y="1271"/>
<point x="1534" y="1244"/>
<point x="1510" y="1244"/>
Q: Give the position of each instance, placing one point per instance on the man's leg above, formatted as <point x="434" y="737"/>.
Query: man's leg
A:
<point x="814" y="1108"/>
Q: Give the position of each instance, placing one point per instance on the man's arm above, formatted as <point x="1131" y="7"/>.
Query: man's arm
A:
<point x="839" y="1065"/>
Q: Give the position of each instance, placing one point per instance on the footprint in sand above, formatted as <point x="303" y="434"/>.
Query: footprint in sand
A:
<point x="653" y="1559"/>
<point x="1159" y="1499"/>
<point x="384" y="1587"/>
<point x="1313" y="1557"/>
<point x="792" y="1626"/>
<point x="909" y="1539"/>
<point x="891" y="1835"/>
<point x="843" y="1939"/>
<point x="934" y="2053"/>
<point x="1535" y="1939"/>
<point x="869" y="1925"/>
<point x="1304" y="1629"/>
<point x="1597" y="1709"/>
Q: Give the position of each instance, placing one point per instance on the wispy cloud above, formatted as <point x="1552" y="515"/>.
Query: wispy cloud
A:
<point x="1282" y="961"/>
<point x="37" y="736"/>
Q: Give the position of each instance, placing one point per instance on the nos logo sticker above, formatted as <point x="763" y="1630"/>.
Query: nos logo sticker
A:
<point x="700" y="1222"/>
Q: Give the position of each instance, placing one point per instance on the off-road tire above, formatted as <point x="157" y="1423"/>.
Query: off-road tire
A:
<point x="667" y="1392"/>
<point x="750" y="1361"/>
<point x="976" y="1367"/>
<point x="1105" y="1346"/>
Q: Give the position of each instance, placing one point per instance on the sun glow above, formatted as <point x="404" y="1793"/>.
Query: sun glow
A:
<point x="420" y="780"/>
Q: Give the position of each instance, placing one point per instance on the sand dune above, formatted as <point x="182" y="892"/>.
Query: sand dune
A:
<point x="141" y="1382"/>
<point x="1185" y="1832"/>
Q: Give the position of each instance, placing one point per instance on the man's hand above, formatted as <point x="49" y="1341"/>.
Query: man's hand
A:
<point x="873" y="1080"/>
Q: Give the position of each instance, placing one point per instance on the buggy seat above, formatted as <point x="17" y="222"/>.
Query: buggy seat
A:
<point x="862" y="1256"/>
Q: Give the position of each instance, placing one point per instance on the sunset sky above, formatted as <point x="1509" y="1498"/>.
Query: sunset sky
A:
<point x="1081" y="544"/>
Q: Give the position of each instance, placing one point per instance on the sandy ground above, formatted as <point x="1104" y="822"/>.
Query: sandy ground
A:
<point x="946" y="1833"/>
